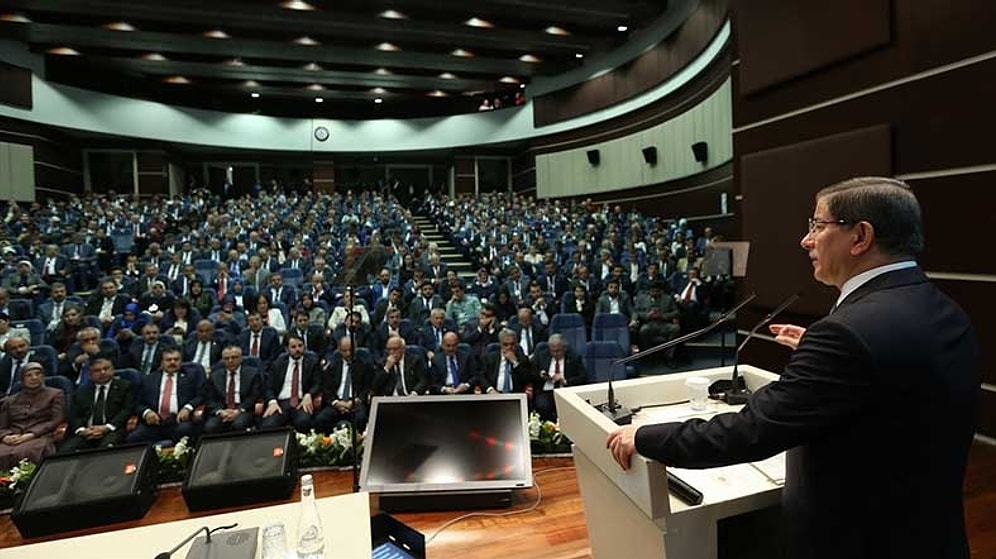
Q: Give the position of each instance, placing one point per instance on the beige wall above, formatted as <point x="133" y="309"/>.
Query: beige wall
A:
<point x="17" y="172"/>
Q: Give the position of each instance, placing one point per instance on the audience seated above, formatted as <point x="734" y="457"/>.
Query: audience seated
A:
<point x="28" y="418"/>
<point x="231" y="393"/>
<point x="167" y="399"/>
<point x="100" y="409"/>
<point x="557" y="367"/>
<point x="402" y="373"/>
<point x="346" y="385"/>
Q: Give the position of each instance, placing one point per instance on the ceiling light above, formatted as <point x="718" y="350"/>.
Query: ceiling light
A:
<point x="319" y="100"/>
<point x="522" y="86"/>
<point x="392" y="14"/>
<point x="315" y="87"/>
<point x="217" y="34"/>
<point x="478" y="22"/>
<point x="312" y="66"/>
<point x="254" y="95"/>
<point x="120" y="26"/>
<point x="297" y="5"/>
<point x="447" y="76"/>
<point x="463" y="53"/>
<point x="382" y="72"/>
<point x="378" y="90"/>
<point x="578" y="55"/>
<point x="388" y="47"/>
<point x="251" y="83"/>
<point x="509" y="79"/>
<point x="306" y="41"/>
<point x="235" y="62"/>
<point x="154" y="56"/>
<point x="64" y="51"/>
<point x="14" y="18"/>
<point x="528" y="58"/>
<point x="554" y="30"/>
<point x="622" y="28"/>
<point x="438" y="93"/>
<point x="180" y="80"/>
<point x="378" y="100"/>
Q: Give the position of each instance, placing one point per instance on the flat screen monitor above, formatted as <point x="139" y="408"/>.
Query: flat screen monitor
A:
<point x="447" y="443"/>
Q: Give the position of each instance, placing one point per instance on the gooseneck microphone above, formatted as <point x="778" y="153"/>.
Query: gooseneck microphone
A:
<point x="624" y="416"/>
<point x="207" y="534"/>
<point x="738" y="394"/>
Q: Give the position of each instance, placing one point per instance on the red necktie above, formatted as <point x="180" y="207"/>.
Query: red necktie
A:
<point x="688" y="292"/>
<point x="221" y="289"/>
<point x="230" y="397"/>
<point x="167" y="396"/>
<point x="254" y="350"/>
<point x="556" y="367"/>
<point x="295" y="383"/>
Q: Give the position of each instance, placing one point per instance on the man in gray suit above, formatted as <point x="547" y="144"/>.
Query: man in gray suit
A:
<point x="877" y="405"/>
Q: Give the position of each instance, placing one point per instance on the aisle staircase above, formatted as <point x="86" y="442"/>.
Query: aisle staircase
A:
<point x="449" y="254"/>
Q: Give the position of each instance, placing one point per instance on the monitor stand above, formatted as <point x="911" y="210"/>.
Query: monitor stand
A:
<point x="422" y="501"/>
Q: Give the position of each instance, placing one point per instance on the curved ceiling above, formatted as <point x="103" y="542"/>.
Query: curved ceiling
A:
<point x="418" y="57"/>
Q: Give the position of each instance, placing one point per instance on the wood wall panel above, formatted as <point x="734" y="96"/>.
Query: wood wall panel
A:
<point x="58" y="159"/>
<point x="16" y="86"/>
<point x="977" y="297"/>
<point x="987" y="413"/>
<point x="958" y="199"/>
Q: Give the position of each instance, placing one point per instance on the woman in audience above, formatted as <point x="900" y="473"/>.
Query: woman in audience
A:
<point x="316" y="314"/>
<point x="271" y="316"/>
<point x="180" y="320"/>
<point x="200" y="299"/>
<point x="28" y="419"/>
<point x="504" y="307"/>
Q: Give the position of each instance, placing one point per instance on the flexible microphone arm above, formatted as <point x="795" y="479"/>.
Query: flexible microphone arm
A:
<point x="611" y="408"/>
<point x="737" y="395"/>
<point x="207" y="533"/>
<point x="352" y="408"/>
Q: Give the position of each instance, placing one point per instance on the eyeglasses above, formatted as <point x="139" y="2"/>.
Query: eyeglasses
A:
<point x="817" y="225"/>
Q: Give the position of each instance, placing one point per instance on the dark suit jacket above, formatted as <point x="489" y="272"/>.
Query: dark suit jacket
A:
<point x="7" y="367"/>
<point x="97" y="301"/>
<point x="190" y="350"/>
<point x="427" y="337"/>
<point x="45" y="309"/>
<point x="537" y="332"/>
<point x="269" y="344"/>
<point x="523" y="373"/>
<point x="278" y="371"/>
<point x="251" y="389"/>
<point x="466" y="370"/>
<point x="133" y="358"/>
<point x="877" y="408"/>
<point x="416" y="377"/>
<point x="188" y="386"/>
<point x="314" y="338"/>
<point x="574" y="371"/>
<point x="361" y="378"/>
<point x="119" y="403"/>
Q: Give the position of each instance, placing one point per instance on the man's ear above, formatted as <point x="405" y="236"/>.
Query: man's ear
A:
<point x="863" y="236"/>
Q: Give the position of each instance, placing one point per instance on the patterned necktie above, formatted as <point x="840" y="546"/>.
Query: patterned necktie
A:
<point x="254" y="349"/>
<point x="295" y="383"/>
<point x="164" y="405"/>
<point x="230" y="394"/>
<point x="506" y="386"/>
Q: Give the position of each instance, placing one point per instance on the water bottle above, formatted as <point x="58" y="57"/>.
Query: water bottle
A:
<point x="310" y="538"/>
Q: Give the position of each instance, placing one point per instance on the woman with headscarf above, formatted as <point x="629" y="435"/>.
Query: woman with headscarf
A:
<point x="29" y="418"/>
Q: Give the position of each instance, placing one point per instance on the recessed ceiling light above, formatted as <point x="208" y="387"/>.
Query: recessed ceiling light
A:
<point x="235" y="62"/>
<point x="378" y="90"/>
<point x="388" y="47"/>
<point x="154" y="56"/>
<point x="306" y="41"/>
<point x="319" y="100"/>
<point x="254" y="95"/>
<point x="378" y="100"/>
<point x="447" y="76"/>
<point x="64" y="51"/>
<point x="217" y="34"/>
<point x="622" y="28"/>
<point x="180" y="80"/>
<point x="392" y="14"/>
<point x="509" y="79"/>
<point x="14" y="18"/>
<point x="251" y="83"/>
<point x="522" y="86"/>
<point x="478" y="22"/>
<point x="120" y="26"/>
<point x="438" y="93"/>
<point x="463" y="53"/>
<point x="554" y="30"/>
<point x="382" y="72"/>
<point x="312" y="66"/>
<point x="528" y="58"/>
<point x="315" y="87"/>
<point x="578" y="55"/>
<point x="297" y="5"/>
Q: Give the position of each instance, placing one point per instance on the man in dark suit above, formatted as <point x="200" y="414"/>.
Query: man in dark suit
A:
<point x="346" y="386"/>
<point x="100" y="410"/>
<point x="148" y="355"/>
<point x="452" y="373"/>
<point x="203" y="348"/>
<point x="167" y="399"/>
<point x="108" y="303"/>
<point x="231" y="394"/>
<point x="529" y="331"/>
<point x="877" y="405"/>
<point x="508" y="370"/>
<point x="557" y="368"/>
<point x="431" y="335"/>
<point x="393" y="326"/>
<point x="88" y="346"/>
<point x="18" y="354"/>
<point x="50" y="310"/>
<point x="280" y="293"/>
<point x="383" y="305"/>
<point x="312" y="334"/>
<point x="257" y="341"/>
<point x="402" y="373"/>
<point x="53" y="267"/>
<point x="291" y="387"/>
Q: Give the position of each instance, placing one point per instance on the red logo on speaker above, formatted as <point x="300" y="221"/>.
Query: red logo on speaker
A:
<point x="130" y="468"/>
<point x="278" y="451"/>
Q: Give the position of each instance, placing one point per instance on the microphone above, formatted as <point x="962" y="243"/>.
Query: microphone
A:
<point x="207" y="534"/>
<point x="621" y="415"/>
<point x="737" y="394"/>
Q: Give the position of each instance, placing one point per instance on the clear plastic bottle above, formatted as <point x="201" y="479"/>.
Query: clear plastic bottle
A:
<point x="310" y="537"/>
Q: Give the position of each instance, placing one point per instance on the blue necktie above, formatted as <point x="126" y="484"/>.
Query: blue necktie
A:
<point x="453" y="380"/>
<point x="506" y="386"/>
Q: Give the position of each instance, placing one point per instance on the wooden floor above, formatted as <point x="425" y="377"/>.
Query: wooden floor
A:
<point x="556" y="528"/>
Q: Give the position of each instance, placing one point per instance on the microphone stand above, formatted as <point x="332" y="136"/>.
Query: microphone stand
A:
<point x="623" y="416"/>
<point x="207" y="532"/>
<point x="352" y="389"/>
<point x="738" y="394"/>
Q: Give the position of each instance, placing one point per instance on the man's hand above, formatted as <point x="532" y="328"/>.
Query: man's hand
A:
<point x="343" y="406"/>
<point x="306" y="405"/>
<point x="622" y="444"/>
<point x="228" y="416"/>
<point x="272" y="409"/>
<point x="183" y="415"/>
<point x="787" y="334"/>
<point x="152" y="418"/>
<point x="95" y="432"/>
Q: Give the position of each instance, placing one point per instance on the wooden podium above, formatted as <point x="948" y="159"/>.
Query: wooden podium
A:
<point x="631" y="514"/>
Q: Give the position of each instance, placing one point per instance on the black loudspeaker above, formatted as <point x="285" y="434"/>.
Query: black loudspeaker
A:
<point x="244" y="468"/>
<point x="650" y="155"/>
<point x="93" y="488"/>
<point x="594" y="157"/>
<point x="701" y="151"/>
